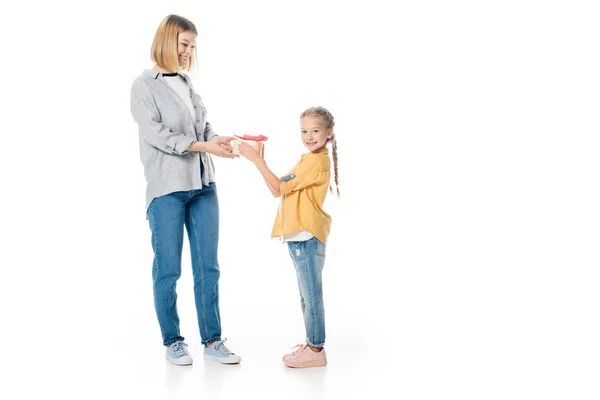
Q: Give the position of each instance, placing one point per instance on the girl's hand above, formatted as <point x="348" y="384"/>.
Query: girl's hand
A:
<point x="220" y="147"/>
<point x="249" y="152"/>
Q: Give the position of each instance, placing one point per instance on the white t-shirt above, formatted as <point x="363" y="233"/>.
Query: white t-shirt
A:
<point x="180" y="86"/>
<point x="301" y="236"/>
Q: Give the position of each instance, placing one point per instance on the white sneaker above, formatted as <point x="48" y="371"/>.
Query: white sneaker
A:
<point x="177" y="354"/>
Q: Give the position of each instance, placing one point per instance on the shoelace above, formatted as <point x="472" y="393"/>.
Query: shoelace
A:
<point x="179" y="349"/>
<point x="299" y="348"/>
<point x="221" y="348"/>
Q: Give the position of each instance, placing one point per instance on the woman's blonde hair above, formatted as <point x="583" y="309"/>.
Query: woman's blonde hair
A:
<point x="326" y="116"/>
<point x="164" y="47"/>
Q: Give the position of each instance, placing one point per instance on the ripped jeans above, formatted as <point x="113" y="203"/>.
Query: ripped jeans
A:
<point x="309" y="258"/>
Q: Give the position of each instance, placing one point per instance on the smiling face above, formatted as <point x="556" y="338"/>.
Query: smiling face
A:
<point x="315" y="132"/>
<point x="186" y="44"/>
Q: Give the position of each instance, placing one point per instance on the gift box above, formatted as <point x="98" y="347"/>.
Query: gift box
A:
<point x="254" y="141"/>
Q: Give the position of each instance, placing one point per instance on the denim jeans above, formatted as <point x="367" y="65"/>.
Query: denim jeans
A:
<point x="309" y="258"/>
<point x="198" y="211"/>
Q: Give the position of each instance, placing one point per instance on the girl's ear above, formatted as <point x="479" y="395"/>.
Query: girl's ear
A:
<point x="330" y="134"/>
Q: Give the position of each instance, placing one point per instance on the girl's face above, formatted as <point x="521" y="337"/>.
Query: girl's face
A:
<point x="186" y="44"/>
<point x="314" y="132"/>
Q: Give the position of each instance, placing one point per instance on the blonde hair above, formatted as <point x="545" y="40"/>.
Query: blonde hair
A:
<point x="164" y="45"/>
<point x="326" y="116"/>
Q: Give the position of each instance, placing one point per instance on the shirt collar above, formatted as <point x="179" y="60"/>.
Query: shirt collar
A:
<point x="155" y="74"/>
<point x="151" y="73"/>
<point x="322" y="150"/>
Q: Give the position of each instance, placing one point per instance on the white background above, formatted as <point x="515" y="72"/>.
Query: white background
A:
<point x="463" y="260"/>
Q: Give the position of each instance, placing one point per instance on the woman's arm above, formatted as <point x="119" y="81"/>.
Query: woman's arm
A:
<point x="218" y="145"/>
<point x="146" y="115"/>
<point x="209" y="133"/>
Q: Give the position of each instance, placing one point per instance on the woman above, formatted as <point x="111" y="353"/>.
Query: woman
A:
<point x="175" y="146"/>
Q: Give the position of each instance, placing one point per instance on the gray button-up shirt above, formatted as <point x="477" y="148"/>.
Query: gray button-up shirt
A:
<point x="167" y="129"/>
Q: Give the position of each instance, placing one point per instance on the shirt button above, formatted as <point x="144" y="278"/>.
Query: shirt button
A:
<point x="195" y="106"/>
<point x="197" y="119"/>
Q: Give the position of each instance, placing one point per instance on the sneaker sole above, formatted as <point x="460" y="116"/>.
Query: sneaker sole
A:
<point x="179" y="363"/>
<point x="223" y="360"/>
<point x="306" y="365"/>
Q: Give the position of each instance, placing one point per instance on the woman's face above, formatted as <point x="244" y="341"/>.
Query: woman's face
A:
<point x="186" y="44"/>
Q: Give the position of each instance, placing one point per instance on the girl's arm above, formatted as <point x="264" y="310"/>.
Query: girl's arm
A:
<point x="253" y="155"/>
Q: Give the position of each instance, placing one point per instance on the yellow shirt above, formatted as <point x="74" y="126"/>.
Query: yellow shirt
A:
<point x="303" y="193"/>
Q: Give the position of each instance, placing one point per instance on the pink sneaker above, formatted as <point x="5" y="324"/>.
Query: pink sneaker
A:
<point x="304" y="357"/>
<point x="294" y="351"/>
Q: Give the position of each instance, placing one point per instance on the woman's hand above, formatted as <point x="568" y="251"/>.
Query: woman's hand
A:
<point x="220" y="147"/>
<point x="249" y="152"/>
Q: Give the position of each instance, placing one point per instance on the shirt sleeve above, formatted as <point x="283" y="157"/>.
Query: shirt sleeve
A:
<point x="146" y="115"/>
<point x="308" y="172"/>
<point x="208" y="132"/>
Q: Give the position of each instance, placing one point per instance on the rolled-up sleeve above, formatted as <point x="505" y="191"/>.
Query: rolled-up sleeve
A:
<point x="146" y="115"/>
<point x="208" y="132"/>
<point x="308" y="172"/>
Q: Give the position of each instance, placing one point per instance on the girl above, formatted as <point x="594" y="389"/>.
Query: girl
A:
<point x="175" y="146"/>
<point x="302" y="223"/>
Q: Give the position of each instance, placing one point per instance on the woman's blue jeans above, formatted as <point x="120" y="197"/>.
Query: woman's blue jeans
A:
<point x="198" y="211"/>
